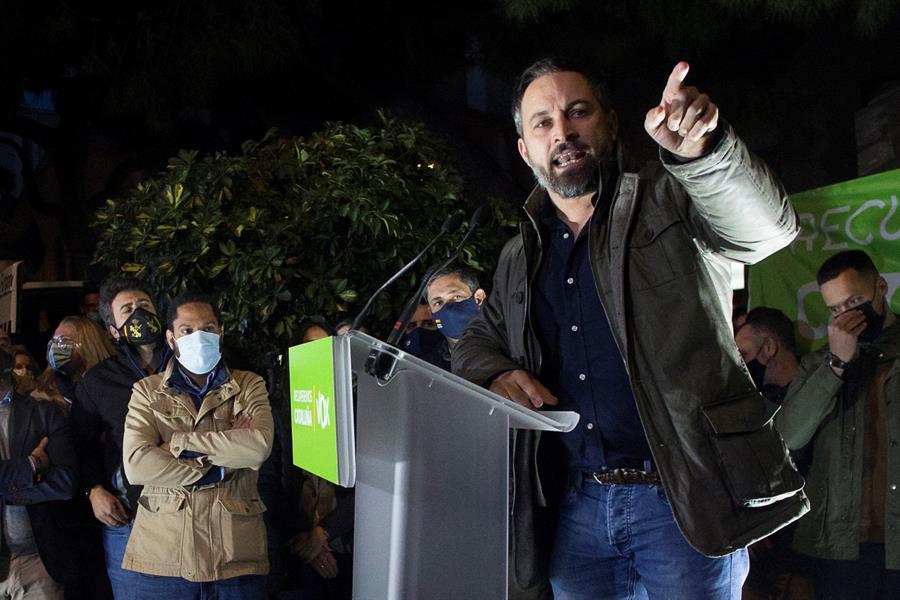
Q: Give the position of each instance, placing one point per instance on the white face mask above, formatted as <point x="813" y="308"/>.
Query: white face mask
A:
<point x="199" y="352"/>
<point x="21" y="371"/>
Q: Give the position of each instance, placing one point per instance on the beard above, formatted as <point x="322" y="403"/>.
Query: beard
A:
<point x="572" y="183"/>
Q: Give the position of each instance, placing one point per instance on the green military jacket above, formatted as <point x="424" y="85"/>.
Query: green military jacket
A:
<point x="822" y="408"/>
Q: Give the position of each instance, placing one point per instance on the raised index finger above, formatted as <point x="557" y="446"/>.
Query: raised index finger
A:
<point x="673" y="84"/>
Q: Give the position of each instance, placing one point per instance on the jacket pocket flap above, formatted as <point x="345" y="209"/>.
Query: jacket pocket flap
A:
<point x="242" y="506"/>
<point x="168" y="407"/>
<point x="650" y="226"/>
<point x="737" y="415"/>
<point x="161" y="504"/>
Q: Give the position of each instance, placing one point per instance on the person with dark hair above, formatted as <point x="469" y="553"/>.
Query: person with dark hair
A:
<point x="845" y="400"/>
<point x="195" y="437"/>
<point x="90" y="303"/>
<point x="766" y="343"/>
<point x="98" y="417"/>
<point x="454" y="297"/>
<point x="615" y="302"/>
<point x="37" y="472"/>
<point x="314" y="329"/>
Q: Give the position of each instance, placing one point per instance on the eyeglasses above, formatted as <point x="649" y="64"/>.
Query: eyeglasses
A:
<point x="63" y="343"/>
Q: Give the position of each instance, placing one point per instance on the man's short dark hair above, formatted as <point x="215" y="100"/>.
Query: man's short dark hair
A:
<point x="844" y="261"/>
<point x="189" y="297"/>
<point x="114" y="286"/>
<point x="773" y="322"/>
<point x="546" y="66"/>
<point x="466" y="275"/>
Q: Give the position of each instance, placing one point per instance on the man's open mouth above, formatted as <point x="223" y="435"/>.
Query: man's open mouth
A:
<point x="569" y="158"/>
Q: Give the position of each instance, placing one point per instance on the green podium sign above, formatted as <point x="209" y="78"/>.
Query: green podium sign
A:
<point x="314" y="419"/>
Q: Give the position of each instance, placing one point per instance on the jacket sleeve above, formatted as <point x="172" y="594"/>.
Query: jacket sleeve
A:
<point x="483" y="351"/>
<point x="811" y="397"/>
<point x="144" y="461"/>
<point x="235" y="448"/>
<point x="58" y="481"/>
<point x="738" y="208"/>
<point x="87" y="427"/>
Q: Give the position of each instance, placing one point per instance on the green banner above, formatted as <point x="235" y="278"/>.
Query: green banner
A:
<point x="859" y="214"/>
<point x="313" y="431"/>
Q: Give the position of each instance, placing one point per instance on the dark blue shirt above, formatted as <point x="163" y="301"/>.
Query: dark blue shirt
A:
<point x="581" y="364"/>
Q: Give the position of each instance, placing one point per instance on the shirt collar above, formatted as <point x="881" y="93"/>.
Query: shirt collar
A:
<point x="181" y="382"/>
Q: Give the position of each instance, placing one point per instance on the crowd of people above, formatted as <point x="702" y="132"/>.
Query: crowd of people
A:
<point x="138" y="464"/>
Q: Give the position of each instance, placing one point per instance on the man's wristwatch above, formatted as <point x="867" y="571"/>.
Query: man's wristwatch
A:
<point x="837" y="363"/>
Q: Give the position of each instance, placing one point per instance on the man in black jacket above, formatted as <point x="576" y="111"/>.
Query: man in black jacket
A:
<point x="614" y="301"/>
<point x="37" y="473"/>
<point x="98" y="417"/>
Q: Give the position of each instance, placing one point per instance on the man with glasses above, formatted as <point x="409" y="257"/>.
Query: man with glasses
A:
<point x="846" y="401"/>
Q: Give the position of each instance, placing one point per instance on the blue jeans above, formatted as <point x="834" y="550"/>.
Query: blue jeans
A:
<point x="621" y="541"/>
<point x="155" y="587"/>
<point x="122" y="581"/>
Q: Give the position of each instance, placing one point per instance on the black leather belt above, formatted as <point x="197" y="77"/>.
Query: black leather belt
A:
<point x="623" y="476"/>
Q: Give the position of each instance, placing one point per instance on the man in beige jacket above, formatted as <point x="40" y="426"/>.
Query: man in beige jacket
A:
<point x="195" y="437"/>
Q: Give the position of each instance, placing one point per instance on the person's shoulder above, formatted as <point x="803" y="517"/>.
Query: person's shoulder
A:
<point x="111" y="365"/>
<point x="243" y="378"/>
<point x="43" y="405"/>
<point x="512" y="248"/>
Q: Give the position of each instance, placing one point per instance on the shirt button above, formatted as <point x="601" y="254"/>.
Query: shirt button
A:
<point x="570" y="280"/>
<point x="582" y="376"/>
<point x="590" y="425"/>
<point x="566" y="235"/>
<point x="893" y="486"/>
<point x="574" y="327"/>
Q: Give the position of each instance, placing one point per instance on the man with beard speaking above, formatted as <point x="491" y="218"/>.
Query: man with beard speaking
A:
<point x="614" y="301"/>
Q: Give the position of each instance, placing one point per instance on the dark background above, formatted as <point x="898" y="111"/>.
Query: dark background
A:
<point x="98" y="95"/>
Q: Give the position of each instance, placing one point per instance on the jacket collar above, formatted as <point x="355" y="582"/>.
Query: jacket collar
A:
<point x="538" y="197"/>
<point x="215" y="397"/>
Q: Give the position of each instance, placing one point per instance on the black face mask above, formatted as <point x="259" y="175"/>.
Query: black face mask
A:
<point x="421" y="341"/>
<point x="757" y="372"/>
<point x="874" y="322"/>
<point x="141" y="328"/>
<point x="774" y="393"/>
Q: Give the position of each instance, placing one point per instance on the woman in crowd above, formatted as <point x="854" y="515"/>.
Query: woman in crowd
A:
<point x="77" y="345"/>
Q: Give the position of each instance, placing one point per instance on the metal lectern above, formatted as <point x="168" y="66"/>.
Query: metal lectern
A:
<point x="432" y="469"/>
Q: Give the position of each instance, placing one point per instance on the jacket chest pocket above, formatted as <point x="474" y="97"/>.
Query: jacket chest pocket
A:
<point x="223" y="416"/>
<point x="660" y="250"/>
<point x="171" y="416"/>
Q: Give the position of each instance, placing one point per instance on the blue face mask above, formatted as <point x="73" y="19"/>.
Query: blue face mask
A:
<point x="453" y="318"/>
<point x="421" y="341"/>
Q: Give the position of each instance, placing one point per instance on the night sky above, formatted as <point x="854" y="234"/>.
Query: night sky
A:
<point x="133" y="82"/>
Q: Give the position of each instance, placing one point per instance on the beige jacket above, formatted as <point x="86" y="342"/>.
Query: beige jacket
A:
<point x="202" y="533"/>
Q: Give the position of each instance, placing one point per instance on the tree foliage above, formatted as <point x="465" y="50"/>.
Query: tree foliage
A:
<point x="293" y="227"/>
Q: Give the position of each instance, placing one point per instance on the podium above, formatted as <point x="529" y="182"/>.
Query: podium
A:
<point x="431" y="469"/>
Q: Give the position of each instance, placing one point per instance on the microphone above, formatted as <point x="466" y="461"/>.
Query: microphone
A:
<point x="481" y="216"/>
<point x="450" y="225"/>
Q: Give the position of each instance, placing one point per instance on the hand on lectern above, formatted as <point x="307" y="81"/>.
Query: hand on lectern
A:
<point x="522" y="388"/>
